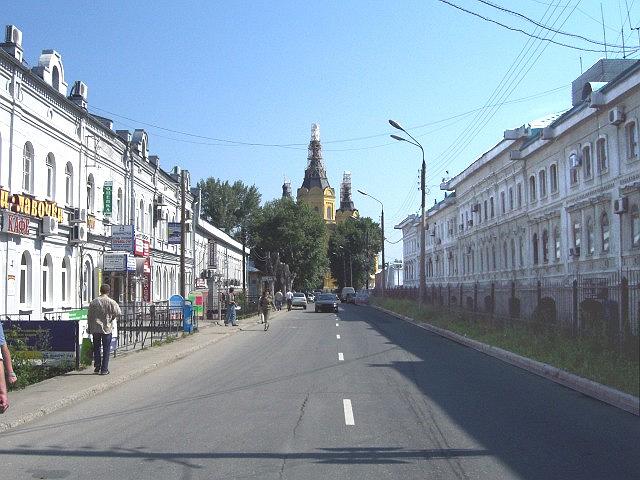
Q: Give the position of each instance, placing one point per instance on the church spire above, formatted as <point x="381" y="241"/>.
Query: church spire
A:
<point x="315" y="175"/>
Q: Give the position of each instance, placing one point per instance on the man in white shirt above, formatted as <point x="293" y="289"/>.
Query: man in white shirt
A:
<point x="289" y="297"/>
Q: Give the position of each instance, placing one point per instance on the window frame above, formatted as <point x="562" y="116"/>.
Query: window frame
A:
<point x="631" y="150"/>
<point x="28" y="156"/>
<point x="553" y="177"/>
<point x="602" y="155"/>
<point x="587" y="161"/>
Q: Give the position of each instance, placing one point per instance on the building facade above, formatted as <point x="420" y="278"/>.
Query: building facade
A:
<point x="549" y="203"/>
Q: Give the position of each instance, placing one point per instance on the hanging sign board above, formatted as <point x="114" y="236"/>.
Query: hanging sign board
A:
<point x="122" y="237"/>
<point x="174" y="233"/>
<point x="213" y="255"/>
<point x="107" y="194"/>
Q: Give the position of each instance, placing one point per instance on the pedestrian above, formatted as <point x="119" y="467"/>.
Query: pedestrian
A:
<point x="289" y="297"/>
<point x="4" y="398"/>
<point x="264" y="303"/>
<point x="279" y="298"/>
<point x="102" y="312"/>
<point x="231" y="309"/>
<point x="5" y="355"/>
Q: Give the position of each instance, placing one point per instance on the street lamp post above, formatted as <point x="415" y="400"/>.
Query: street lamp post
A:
<point x="422" y="286"/>
<point x="384" y="272"/>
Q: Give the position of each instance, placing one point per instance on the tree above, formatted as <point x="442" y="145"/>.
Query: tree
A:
<point x="298" y="234"/>
<point x="352" y="247"/>
<point x="229" y="206"/>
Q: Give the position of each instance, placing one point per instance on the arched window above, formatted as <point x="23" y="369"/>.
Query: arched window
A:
<point x="511" y="198"/>
<point x="91" y="188"/>
<point x="532" y="188"/>
<point x="635" y="226"/>
<point x="142" y="219"/>
<point x="519" y="194"/>
<point x="65" y="279"/>
<point x="604" y="229"/>
<point x="493" y="213"/>
<point x="513" y="253"/>
<point x="158" y="285"/>
<point x="481" y="260"/>
<point x="55" y="78"/>
<point x="521" y="251"/>
<point x="25" y="280"/>
<point x="47" y="280"/>
<point x="545" y="246"/>
<point x="505" y="256"/>
<point x="68" y="184"/>
<point x="87" y="282"/>
<point x="119" y="207"/>
<point x="631" y="139"/>
<point x="502" y="203"/>
<point x="150" y="220"/>
<point x="590" y="237"/>
<point x="601" y="155"/>
<point x="556" y="243"/>
<point x="542" y="181"/>
<point x="493" y="256"/>
<point x="165" y="285"/>
<point x="586" y="161"/>
<point x="534" y="248"/>
<point x="553" y="174"/>
<point x="51" y="176"/>
<point x="27" y="168"/>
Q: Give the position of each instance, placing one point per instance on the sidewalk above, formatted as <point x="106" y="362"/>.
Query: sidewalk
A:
<point x="50" y="395"/>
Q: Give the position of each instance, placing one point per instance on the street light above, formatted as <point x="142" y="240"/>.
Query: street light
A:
<point x="422" y="286"/>
<point x="384" y="272"/>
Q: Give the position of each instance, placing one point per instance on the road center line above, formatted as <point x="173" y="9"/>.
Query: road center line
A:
<point x="337" y="325"/>
<point x="338" y="337"/>
<point x="348" y="412"/>
<point x="341" y="357"/>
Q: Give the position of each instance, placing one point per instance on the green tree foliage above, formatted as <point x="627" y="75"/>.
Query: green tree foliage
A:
<point x="229" y="205"/>
<point x="296" y="232"/>
<point x="352" y="248"/>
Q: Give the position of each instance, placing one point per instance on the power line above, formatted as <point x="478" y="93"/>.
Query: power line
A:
<point x="514" y="29"/>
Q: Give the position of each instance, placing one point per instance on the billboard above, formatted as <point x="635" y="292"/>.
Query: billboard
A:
<point x="175" y="232"/>
<point x="122" y="238"/>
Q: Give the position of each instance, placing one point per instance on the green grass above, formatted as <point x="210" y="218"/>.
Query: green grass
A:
<point x="579" y="356"/>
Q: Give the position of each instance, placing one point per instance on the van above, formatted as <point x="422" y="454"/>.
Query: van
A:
<point x="347" y="291"/>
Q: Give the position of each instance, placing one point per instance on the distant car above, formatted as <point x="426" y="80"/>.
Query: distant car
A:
<point x="311" y="297"/>
<point x="299" y="300"/>
<point x="327" y="302"/>
<point x="362" y="298"/>
<point x="346" y="291"/>
<point x="350" y="298"/>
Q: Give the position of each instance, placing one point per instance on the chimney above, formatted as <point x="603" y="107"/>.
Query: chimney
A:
<point x="13" y="42"/>
<point x="79" y="93"/>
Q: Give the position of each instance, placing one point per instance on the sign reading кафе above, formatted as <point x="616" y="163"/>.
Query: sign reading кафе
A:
<point x="31" y="207"/>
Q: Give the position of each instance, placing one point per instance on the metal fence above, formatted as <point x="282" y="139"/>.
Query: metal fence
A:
<point x="142" y="324"/>
<point x="603" y="307"/>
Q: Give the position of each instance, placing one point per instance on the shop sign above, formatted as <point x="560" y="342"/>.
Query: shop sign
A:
<point x="16" y="224"/>
<point x="107" y="194"/>
<point x="114" y="262"/>
<point x="91" y="222"/>
<point x="213" y="255"/>
<point x="146" y="247"/>
<point x="131" y="263"/>
<point x="138" y="248"/>
<point x="175" y="233"/>
<point x="122" y="238"/>
<point x="201" y="284"/>
<point x="31" y="207"/>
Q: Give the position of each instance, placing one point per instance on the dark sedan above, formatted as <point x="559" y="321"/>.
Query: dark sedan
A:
<point x="327" y="302"/>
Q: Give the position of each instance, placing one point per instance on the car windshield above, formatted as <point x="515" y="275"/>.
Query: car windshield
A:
<point x="327" y="296"/>
<point x="298" y="294"/>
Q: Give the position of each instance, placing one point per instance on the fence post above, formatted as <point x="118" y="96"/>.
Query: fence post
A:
<point x="574" y="305"/>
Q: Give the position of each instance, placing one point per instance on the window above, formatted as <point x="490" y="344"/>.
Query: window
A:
<point x="55" y="78"/>
<point x="573" y="175"/>
<point x="486" y="213"/>
<point x="119" y="207"/>
<point x="635" y="226"/>
<point x="492" y="210"/>
<point x="577" y="227"/>
<point x="87" y="282"/>
<point x="631" y="139"/>
<point x="505" y="256"/>
<point x="65" y="278"/>
<point x="481" y="260"/>
<point x="586" y="161"/>
<point x="493" y="256"/>
<point x="553" y="174"/>
<point x="329" y="213"/>
<point x="532" y="188"/>
<point x="556" y="242"/>
<point x="51" y="176"/>
<point x="47" y="280"/>
<point x="519" y="194"/>
<point x="590" y="237"/>
<point x="604" y="232"/>
<point x="68" y="184"/>
<point x="513" y="253"/>
<point x="521" y="251"/>
<point x="534" y="248"/>
<point x="511" y="198"/>
<point x="91" y="188"/>
<point x="545" y="246"/>
<point x="25" y="280"/>
<point x="542" y="181"/>
<point x="601" y="155"/>
<point x="502" y="203"/>
<point x="150" y="220"/>
<point x="27" y="168"/>
<point x="142" y="221"/>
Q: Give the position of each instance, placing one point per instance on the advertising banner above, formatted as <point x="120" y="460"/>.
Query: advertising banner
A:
<point x="213" y="255"/>
<point x="174" y="233"/>
<point x="107" y="193"/>
<point x="14" y="223"/>
<point x="122" y="237"/>
<point x="53" y="342"/>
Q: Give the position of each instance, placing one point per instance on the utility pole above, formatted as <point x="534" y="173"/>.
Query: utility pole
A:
<point x="243" y="234"/>
<point x="183" y="233"/>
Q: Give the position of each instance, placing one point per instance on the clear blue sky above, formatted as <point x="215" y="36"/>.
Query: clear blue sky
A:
<point x="263" y="72"/>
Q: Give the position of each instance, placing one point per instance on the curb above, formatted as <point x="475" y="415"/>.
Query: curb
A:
<point x="102" y="387"/>
<point x="621" y="400"/>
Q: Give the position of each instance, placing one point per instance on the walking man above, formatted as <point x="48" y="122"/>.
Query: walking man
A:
<point x="231" y="308"/>
<point x="289" y="297"/>
<point x="102" y="312"/>
<point x="278" y="298"/>
<point x="264" y="303"/>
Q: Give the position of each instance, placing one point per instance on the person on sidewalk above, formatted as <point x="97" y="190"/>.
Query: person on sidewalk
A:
<point x="102" y="312"/>
<point x="278" y="298"/>
<point x="263" y="304"/>
<point x="5" y="355"/>
<point x="231" y="308"/>
<point x="4" y="398"/>
<point x="289" y="297"/>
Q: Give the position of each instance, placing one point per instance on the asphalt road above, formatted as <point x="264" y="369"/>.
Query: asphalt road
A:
<point x="359" y="395"/>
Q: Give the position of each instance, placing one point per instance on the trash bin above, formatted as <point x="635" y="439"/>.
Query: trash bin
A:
<point x="187" y="316"/>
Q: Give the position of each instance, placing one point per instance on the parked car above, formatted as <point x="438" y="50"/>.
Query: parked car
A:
<point x="327" y="302"/>
<point x="311" y="297"/>
<point x="299" y="300"/>
<point x="362" y="298"/>
<point x="345" y="292"/>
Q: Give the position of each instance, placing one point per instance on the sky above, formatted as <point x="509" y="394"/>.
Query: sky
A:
<point x="231" y="89"/>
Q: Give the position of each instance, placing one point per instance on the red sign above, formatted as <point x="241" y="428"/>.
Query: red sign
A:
<point x="138" y="248"/>
<point x="16" y="224"/>
<point x="145" y="248"/>
<point x="146" y="286"/>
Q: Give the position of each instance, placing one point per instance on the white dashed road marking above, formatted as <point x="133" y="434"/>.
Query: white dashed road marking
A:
<point x="348" y="412"/>
<point x="338" y="337"/>
<point x="341" y="357"/>
<point x="337" y="325"/>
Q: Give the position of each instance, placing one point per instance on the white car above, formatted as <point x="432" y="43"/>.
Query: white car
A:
<point x="311" y="297"/>
<point x="299" y="300"/>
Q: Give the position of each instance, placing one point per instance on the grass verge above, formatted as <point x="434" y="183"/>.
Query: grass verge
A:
<point x="575" y="355"/>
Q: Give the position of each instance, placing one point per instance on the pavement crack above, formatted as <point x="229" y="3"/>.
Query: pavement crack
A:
<point x="284" y="463"/>
<point x="302" y="409"/>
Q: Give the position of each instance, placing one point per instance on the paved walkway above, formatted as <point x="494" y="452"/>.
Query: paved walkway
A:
<point x="58" y="392"/>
